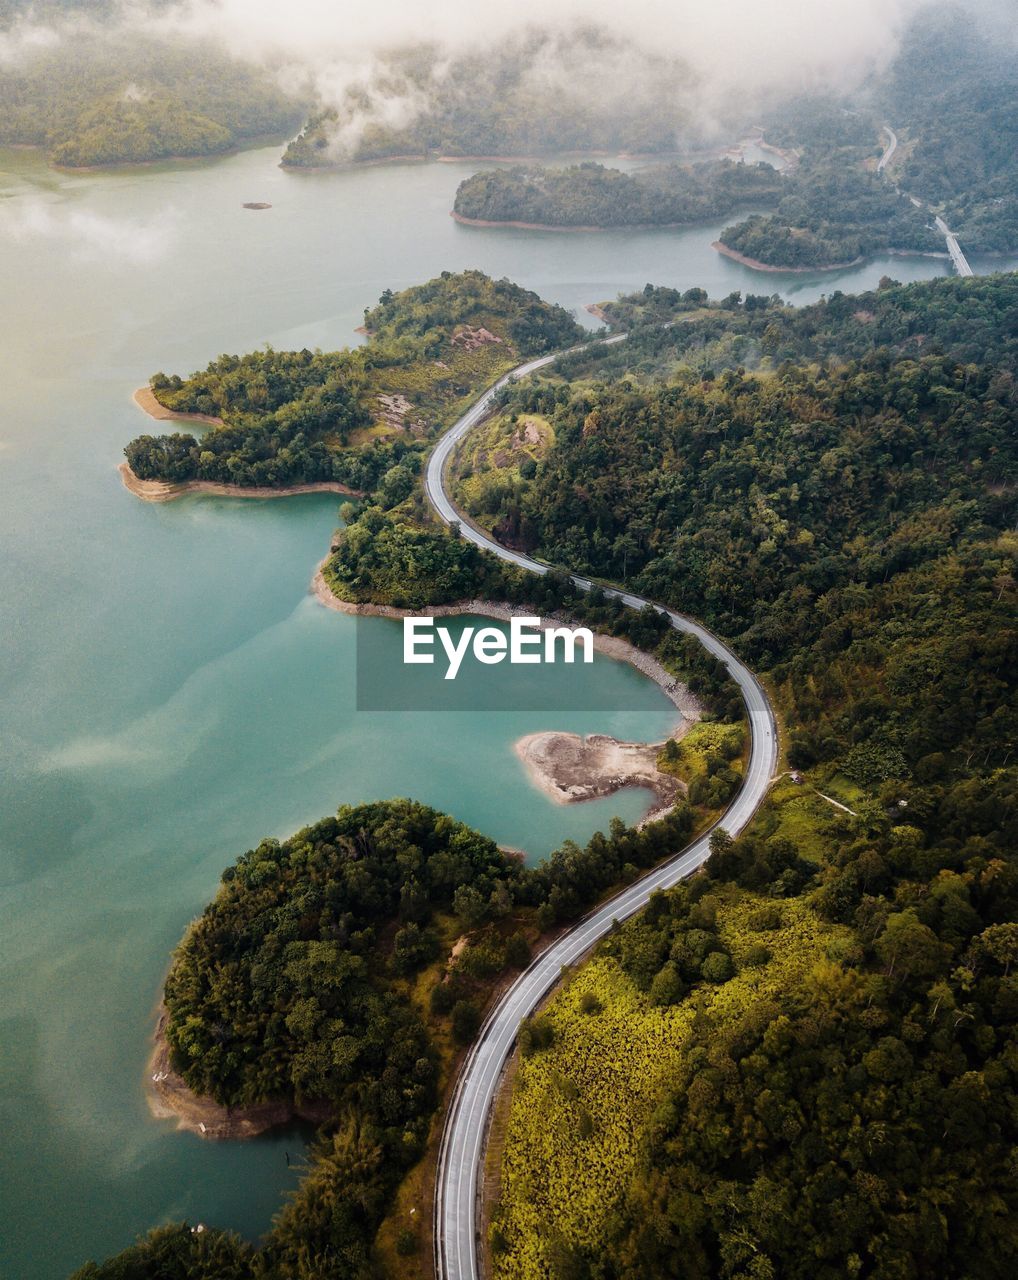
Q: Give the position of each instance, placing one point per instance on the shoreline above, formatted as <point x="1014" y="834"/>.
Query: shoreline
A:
<point x="167" y="491"/>
<point x="570" y="768"/>
<point x="686" y="702"/>
<point x="145" y="399"/>
<point x="236" y="148"/>
<point x="170" y="1098"/>
<point x="429" y="157"/>
<point x="565" y="767"/>
<point x="339" y="165"/>
<point x="756" y="265"/>
<point x="549" y="226"/>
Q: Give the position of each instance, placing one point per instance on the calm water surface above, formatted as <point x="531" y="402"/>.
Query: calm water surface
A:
<point x="169" y="691"/>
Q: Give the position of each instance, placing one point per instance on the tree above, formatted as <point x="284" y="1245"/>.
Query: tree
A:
<point x="469" y="905"/>
<point x="466" y="1019"/>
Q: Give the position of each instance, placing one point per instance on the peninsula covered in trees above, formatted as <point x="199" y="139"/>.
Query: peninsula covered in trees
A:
<point x="832" y="216"/>
<point x="324" y="969"/>
<point x="352" y="416"/>
<point x="590" y="195"/>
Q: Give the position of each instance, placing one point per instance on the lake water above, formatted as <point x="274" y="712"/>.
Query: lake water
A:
<point x="169" y="691"/>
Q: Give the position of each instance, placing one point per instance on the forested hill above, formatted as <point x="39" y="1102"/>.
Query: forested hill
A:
<point x="352" y="416"/>
<point x="530" y="94"/>
<point x="105" y="97"/>
<point x="951" y="96"/>
<point x="974" y="321"/>
<point x="799" y="1101"/>
<point x="953" y="90"/>
<point x="590" y="195"/>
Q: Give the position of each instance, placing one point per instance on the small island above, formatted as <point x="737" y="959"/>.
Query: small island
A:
<point x="590" y="197"/>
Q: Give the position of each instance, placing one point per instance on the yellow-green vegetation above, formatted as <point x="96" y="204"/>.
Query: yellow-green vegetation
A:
<point x="581" y="1107"/>
<point x="709" y="760"/>
<point x="501" y="452"/>
<point x="439" y="389"/>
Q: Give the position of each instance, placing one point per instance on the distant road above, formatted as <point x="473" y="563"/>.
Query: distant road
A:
<point x="889" y="150"/>
<point x="456" y="1192"/>
<point x="961" y="264"/>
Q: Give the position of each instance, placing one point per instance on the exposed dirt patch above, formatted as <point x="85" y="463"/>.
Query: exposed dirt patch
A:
<point x="470" y="338"/>
<point x="396" y="411"/>
<point x="570" y="768"/>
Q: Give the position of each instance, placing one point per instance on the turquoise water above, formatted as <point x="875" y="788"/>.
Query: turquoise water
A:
<point x="170" y="693"/>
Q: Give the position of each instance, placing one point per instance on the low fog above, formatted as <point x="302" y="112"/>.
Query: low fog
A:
<point x="692" y="58"/>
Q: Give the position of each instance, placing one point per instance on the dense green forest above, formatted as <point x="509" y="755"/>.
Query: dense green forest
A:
<point x="974" y="321"/>
<point x="820" y="1029"/>
<point x="588" y="194"/>
<point x="323" y="969"/>
<point x="291" y="417"/>
<point x="832" y="215"/>
<point x="103" y="97"/>
<point x="529" y="95"/>
<point x="847" y="520"/>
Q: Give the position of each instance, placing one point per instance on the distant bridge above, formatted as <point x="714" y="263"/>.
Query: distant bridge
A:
<point x="961" y="264"/>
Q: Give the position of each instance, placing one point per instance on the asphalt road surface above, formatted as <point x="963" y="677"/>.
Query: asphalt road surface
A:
<point x="456" y="1194"/>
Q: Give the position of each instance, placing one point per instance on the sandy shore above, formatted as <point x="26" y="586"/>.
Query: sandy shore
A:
<point x="164" y="491"/>
<point x="721" y="247"/>
<point x="145" y="398"/>
<point x="564" y="766"/>
<point x="557" y="226"/>
<point x="612" y="646"/>
<point x="596" y="309"/>
<point x="569" y="768"/>
<point x="169" y="1098"/>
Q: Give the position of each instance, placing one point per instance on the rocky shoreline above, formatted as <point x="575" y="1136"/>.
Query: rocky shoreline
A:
<point x="567" y="768"/>
<point x="756" y="265"/>
<point x="553" y="226"/>
<point x="165" y="491"/>
<point x="570" y="768"/>
<point x="145" y="399"/>
<point x="170" y="1098"/>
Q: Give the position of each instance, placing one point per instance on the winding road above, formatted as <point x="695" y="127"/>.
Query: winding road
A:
<point x="460" y="1155"/>
<point x="961" y="263"/>
<point x="889" y="150"/>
